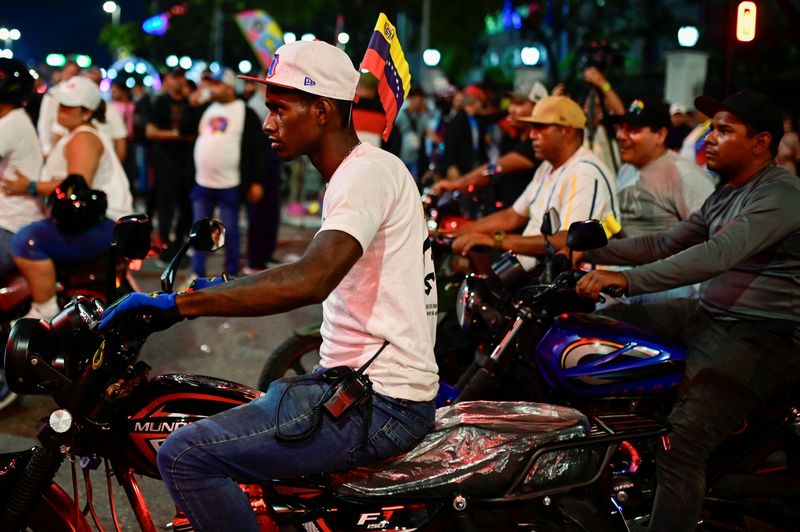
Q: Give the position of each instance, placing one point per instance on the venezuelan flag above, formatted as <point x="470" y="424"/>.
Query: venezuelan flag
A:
<point x="384" y="59"/>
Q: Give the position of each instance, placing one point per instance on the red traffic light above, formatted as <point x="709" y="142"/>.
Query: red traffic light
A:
<point x="746" y="21"/>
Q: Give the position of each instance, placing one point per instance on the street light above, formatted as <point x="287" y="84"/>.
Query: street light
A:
<point x="113" y="9"/>
<point x="431" y="57"/>
<point x="688" y="36"/>
<point x="530" y="56"/>
<point x="9" y="35"/>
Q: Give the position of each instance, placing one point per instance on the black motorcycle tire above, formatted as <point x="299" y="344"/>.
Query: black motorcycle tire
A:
<point x="288" y="356"/>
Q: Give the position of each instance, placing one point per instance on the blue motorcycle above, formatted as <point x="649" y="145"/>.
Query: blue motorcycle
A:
<point x="546" y="351"/>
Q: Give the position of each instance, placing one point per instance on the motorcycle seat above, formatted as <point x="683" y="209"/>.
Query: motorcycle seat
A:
<point x="476" y="447"/>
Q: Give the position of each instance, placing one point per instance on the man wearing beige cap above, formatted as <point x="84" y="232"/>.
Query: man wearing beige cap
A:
<point x="513" y="170"/>
<point x="571" y="179"/>
<point x="370" y="268"/>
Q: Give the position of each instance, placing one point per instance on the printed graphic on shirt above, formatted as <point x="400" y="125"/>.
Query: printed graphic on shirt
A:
<point x="218" y="124"/>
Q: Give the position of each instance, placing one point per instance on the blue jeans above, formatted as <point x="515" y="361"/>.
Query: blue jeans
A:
<point x="42" y="240"/>
<point x="204" y="200"/>
<point x="731" y="367"/>
<point x="201" y="463"/>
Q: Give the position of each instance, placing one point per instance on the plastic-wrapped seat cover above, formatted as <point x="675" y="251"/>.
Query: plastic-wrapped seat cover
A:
<point x="474" y="447"/>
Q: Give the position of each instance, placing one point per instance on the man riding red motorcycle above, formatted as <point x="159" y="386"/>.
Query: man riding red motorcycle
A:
<point x="371" y="269"/>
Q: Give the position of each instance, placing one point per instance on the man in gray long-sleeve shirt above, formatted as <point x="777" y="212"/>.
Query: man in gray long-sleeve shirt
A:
<point x="743" y="335"/>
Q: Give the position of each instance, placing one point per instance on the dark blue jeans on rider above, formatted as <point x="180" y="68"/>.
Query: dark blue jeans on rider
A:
<point x="42" y="240"/>
<point x="6" y="259"/>
<point x="204" y="201"/>
<point x="731" y="367"/>
<point x="198" y="461"/>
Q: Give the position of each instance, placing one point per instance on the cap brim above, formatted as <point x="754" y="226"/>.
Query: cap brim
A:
<point x="251" y="78"/>
<point x="707" y="105"/>
<point x="530" y="121"/>
<point x="268" y="82"/>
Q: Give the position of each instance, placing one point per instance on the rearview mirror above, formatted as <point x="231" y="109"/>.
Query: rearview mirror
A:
<point x="551" y="222"/>
<point x="132" y="236"/>
<point x="583" y="236"/>
<point x="207" y="235"/>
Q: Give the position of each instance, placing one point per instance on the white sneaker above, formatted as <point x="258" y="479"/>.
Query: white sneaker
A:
<point x="247" y="270"/>
<point x="39" y="312"/>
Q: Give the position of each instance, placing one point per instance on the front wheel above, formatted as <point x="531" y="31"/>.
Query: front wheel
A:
<point x="297" y="355"/>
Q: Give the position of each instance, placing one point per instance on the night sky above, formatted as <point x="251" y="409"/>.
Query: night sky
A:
<point x="62" y="26"/>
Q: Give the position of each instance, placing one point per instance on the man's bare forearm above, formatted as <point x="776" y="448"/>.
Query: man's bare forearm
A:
<point x="272" y="291"/>
<point x="325" y="263"/>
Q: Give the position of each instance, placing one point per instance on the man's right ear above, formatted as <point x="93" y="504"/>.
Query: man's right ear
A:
<point x="323" y="111"/>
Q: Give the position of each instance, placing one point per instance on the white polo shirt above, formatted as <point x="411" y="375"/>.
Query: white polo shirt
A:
<point x="580" y="189"/>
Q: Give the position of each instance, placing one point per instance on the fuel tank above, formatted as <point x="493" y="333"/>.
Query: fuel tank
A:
<point x="166" y="403"/>
<point x="586" y="355"/>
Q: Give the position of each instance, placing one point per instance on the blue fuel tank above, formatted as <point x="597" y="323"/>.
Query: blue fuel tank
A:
<point x="587" y="355"/>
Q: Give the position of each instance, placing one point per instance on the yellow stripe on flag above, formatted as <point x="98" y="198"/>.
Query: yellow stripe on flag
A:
<point x="389" y="33"/>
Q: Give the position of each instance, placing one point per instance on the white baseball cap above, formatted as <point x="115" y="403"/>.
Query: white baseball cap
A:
<point x="79" y="91"/>
<point x="224" y="76"/>
<point x="314" y="67"/>
<point x="677" y="108"/>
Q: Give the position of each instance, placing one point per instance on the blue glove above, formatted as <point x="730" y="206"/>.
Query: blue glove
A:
<point x="161" y="309"/>
<point x="204" y="282"/>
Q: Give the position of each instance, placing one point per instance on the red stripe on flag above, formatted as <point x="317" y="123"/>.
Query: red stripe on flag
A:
<point x="389" y="101"/>
<point x="374" y="63"/>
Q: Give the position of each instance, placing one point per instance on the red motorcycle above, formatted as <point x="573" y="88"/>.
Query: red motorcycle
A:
<point x="484" y="466"/>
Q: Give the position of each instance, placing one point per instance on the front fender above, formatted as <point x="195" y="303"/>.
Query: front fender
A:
<point x="56" y="513"/>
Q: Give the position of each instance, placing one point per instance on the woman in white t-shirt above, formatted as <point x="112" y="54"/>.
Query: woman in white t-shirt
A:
<point x="83" y="151"/>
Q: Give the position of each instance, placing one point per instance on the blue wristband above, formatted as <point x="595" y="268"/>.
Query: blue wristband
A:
<point x="32" y="188"/>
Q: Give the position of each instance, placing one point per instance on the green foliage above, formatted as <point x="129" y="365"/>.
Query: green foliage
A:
<point x="125" y="38"/>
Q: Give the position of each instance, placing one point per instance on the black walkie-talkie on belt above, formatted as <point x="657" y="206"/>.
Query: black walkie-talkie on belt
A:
<point x="353" y="387"/>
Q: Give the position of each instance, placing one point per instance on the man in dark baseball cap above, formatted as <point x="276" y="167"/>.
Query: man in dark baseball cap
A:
<point x="656" y="187"/>
<point x="752" y="108"/>
<point x="743" y="333"/>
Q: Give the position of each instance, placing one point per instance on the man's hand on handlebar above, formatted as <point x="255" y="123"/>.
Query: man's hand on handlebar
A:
<point x="464" y="243"/>
<point x="157" y="311"/>
<point x="594" y="282"/>
<point x="204" y="282"/>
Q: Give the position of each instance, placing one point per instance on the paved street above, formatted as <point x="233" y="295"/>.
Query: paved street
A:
<point x="233" y="349"/>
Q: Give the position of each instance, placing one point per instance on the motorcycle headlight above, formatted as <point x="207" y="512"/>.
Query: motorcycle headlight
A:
<point x="29" y="342"/>
<point x="470" y="301"/>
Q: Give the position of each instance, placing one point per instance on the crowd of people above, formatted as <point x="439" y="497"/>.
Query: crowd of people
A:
<point x="702" y="215"/>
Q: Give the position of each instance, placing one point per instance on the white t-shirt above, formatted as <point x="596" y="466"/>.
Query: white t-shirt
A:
<point x="218" y="149"/>
<point x="580" y="189"/>
<point x="390" y="292"/>
<point x="19" y="150"/>
<point x="109" y="176"/>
